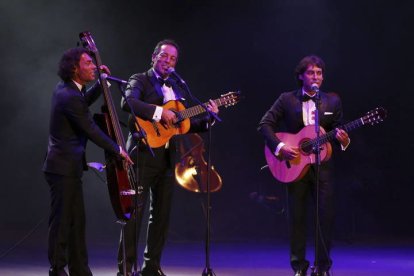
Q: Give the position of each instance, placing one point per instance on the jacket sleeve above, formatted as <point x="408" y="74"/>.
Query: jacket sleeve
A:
<point x="270" y="122"/>
<point x="135" y="94"/>
<point x="76" y="110"/>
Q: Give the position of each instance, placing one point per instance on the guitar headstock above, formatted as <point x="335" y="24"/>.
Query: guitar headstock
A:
<point x="375" y="116"/>
<point x="230" y="98"/>
<point x="87" y="42"/>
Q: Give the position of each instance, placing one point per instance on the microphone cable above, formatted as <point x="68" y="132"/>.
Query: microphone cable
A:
<point x="24" y="238"/>
<point x="38" y="224"/>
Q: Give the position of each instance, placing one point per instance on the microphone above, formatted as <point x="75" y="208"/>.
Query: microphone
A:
<point x="315" y="88"/>
<point x="107" y="77"/>
<point x="171" y="71"/>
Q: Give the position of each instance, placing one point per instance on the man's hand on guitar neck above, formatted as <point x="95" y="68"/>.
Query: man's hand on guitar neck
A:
<point x="342" y="137"/>
<point x="288" y="153"/>
<point x="212" y="106"/>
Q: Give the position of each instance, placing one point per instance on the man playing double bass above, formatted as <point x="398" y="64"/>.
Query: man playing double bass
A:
<point x="71" y="125"/>
<point x="147" y="92"/>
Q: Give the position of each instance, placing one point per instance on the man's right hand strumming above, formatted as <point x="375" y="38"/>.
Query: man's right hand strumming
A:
<point x="288" y="153"/>
<point x="168" y="118"/>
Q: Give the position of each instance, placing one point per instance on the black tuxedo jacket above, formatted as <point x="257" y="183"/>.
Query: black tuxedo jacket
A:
<point x="285" y="115"/>
<point x="144" y="92"/>
<point x="71" y="125"/>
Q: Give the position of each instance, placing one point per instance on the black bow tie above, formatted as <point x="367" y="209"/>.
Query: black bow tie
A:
<point x="306" y="97"/>
<point x="167" y="82"/>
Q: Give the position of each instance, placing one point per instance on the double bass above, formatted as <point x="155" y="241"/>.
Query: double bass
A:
<point x="120" y="175"/>
<point x="191" y="171"/>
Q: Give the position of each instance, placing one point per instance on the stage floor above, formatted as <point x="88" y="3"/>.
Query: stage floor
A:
<point x="230" y="259"/>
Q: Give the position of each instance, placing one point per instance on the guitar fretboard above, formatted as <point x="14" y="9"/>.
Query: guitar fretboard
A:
<point x="331" y="134"/>
<point x="372" y="117"/>
<point x="198" y="109"/>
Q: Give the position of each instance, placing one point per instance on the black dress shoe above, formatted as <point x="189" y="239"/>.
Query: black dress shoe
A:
<point x="323" y="273"/>
<point x="152" y="271"/>
<point x="57" y="272"/>
<point x="120" y="274"/>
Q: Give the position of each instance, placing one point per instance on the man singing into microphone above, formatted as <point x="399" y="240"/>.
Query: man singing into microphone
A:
<point x="146" y="93"/>
<point x="290" y="113"/>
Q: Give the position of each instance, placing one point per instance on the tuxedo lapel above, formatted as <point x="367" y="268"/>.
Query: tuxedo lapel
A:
<point x="298" y="107"/>
<point x="298" y="95"/>
<point x="176" y="90"/>
<point x="155" y="83"/>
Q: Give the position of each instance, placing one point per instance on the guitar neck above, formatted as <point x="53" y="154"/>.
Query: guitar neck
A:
<point x="198" y="109"/>
<point x="331" y="134"/>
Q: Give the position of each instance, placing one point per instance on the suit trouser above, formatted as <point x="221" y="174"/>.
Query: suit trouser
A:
<point x="67" y="225"/>
<point x="298" y="208"/>
<point x="157" y="179"/>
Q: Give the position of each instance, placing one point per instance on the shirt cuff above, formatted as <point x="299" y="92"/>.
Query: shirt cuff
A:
<point x="157" y="114"/>
<point x="281" y="144"/>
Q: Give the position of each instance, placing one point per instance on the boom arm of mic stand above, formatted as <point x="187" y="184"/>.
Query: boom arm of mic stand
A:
<point x="140" y="130"/>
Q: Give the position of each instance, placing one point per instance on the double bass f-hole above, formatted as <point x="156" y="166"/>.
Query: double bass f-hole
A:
<point x="120" y="175"/>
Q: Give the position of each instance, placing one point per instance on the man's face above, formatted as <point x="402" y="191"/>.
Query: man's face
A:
<point x="166" y="58"/>
<point x="313" y="74"/>
<point x="85" y="70"/>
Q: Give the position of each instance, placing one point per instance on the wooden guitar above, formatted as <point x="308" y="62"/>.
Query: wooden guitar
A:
<point x="292" y="170"/>
<point x="158" y="135"/>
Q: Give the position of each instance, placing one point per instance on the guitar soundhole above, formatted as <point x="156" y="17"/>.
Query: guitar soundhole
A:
<point x="179" y="118"/>
<point x="306" y="148"/>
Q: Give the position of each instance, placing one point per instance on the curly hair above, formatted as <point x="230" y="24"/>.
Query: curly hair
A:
<point x="305" y="62"/>
<point x="69" y="61"/>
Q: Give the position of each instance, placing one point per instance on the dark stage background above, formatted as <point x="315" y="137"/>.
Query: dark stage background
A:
<point x="251" y="46"/>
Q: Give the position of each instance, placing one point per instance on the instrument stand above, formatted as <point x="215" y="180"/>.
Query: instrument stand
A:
<point x="122" y="222"/>
<point x="137" y="271"/>
<point x="207" y="270"/>
<point x="317" y="151"/>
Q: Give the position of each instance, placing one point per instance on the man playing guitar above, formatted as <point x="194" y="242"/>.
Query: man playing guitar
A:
<point x="291" y="112"/>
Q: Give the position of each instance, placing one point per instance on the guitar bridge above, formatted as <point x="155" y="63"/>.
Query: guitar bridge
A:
<point x="288" y="164"/>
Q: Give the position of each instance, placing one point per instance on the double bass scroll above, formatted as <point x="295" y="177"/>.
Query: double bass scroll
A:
<point x="120" y="175"/>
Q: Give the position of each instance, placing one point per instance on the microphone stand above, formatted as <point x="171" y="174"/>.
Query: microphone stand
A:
<point x="139" y="135"/>
<point x="207" y="270"/>
<point x="317" y="151"/>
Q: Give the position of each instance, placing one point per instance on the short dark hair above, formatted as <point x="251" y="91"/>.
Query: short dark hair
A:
<point x="157" y="48"/>
<point x="69" y="61"/>
<point x="305" y="62"/>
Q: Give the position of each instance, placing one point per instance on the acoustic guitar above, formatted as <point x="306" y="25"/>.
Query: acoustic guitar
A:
<point x="158" y="135"/>
<point x="287" y="171"/>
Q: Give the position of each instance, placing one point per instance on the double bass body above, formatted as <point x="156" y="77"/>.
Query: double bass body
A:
<point x="191" y="171"/>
